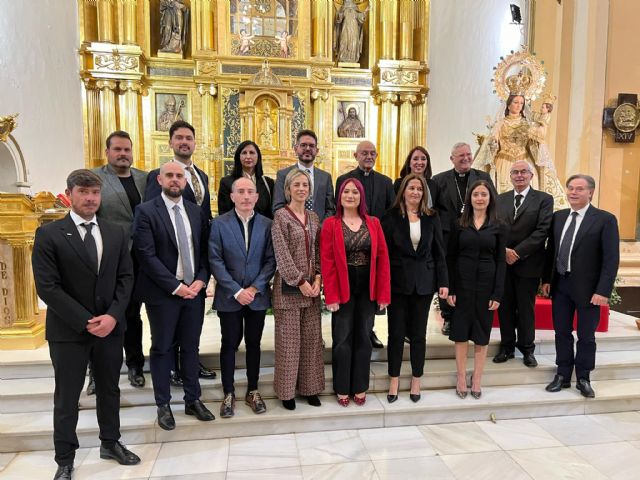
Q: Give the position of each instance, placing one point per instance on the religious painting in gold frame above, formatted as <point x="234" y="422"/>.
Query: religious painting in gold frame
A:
<point x="170" y="107"/>
<point x="350" y="118"/>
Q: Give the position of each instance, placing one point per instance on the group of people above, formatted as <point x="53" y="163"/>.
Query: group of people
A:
<point x="375" y="245"/>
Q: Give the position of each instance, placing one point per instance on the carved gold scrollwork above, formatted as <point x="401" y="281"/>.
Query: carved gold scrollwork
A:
<point x="385" y="97"/>
<point x="131" y="86"/>
<point x="408" y="98"/>
<point x="208" y="68"/>
<point x="320" y="74"/>
<point x="399" y="77"/>
<point x="104" y="84"/>
<point x="7" y="125"/>
<point x="116" y="62"/>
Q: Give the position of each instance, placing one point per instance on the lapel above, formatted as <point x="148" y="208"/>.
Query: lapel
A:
<point x="161" y="208"/>
<point x="588" y="221"/>
<point x="237" y="233"/>
<point x="557" y="233"/>
<point x="256" y="234"/>
<point x="316" y="182"/>
<point x="528" y="200"/>
<point x="405" y="228"/>
<point x="108" y="242"/>
<point x="70" y="233"/>
<point x="194" y="215"/>
<point x="424" y="234"/>
<point x="114" y="182"/>
<point x="453" y="189"/>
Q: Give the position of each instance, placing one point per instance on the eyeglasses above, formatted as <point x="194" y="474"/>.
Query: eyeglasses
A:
<point x="368" y="154"/>
<point x="519" y="172"/>
<point x="304" y="146"/>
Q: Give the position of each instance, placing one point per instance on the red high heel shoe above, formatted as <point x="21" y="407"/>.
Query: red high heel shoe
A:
<point x="360" y="401"/>
<point x="343" y="401"/>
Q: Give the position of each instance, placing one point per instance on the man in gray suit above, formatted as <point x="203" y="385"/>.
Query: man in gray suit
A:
<point x="321" y="200"/>
<point x="242" y="262"/>
<point x="122" y="190"/>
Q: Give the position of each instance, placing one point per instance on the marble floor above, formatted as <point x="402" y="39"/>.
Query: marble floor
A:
<point x="574" y="447"/>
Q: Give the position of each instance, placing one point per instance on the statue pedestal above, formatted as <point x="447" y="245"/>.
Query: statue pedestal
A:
<point x="348" y="64"/>
<point x="21" y="324"/>
<point x="175" y="56"/>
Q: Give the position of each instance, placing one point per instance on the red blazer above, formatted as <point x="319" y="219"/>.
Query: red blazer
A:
<point x="333" y="263"/>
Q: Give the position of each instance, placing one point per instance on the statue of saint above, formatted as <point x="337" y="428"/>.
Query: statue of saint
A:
<point x="351" y="126"/>
<point x="347" y="32"/>
<point x="174" y="25"/>
<point x="170" y="114"/>
<point x="268" y="128"/>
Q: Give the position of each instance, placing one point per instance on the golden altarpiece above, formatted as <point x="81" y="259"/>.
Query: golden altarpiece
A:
<point x="254" y="69"/>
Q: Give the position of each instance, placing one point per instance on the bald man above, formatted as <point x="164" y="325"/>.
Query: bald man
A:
<point x="378" y="191"/>
<point x="170" y="242"/>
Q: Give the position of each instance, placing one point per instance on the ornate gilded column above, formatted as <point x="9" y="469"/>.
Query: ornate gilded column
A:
<point x="419" y="120"/>
<point x="320" y="18"/>
<point x="421" y="12"/>
<point x="93" y="131"/>
<point x="388" y="29"/>
<point x="207" y="134"/>
<point x="387" y="147"/>
<point x="106" y="21"/>
<point x="130" y="118"/>
<point x="285" y="116"/>
<point x="248" y="123"/>
<point x="406" y="30"/>
<point x="319" y="99"/>
<point x="129" y="25"/>
<point x="406" y="140"/>
<point x="108" y="121"/>
<point x="205" y="25"/>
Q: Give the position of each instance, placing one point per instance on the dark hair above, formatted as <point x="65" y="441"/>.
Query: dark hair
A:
<point x="466" y="219"/>
<point x="510" y="99"/>
<point x="236" y="172"/>
<point x="591" y="183"/>
<point x="309" y="133"/>
<point x="406" y="168"/>
<point x="362" y="208"/>
<point x="83" y="178"/>
<point x="424" y="202"/>
<point x="119" y="134"/>
<point x="181" y="124"/>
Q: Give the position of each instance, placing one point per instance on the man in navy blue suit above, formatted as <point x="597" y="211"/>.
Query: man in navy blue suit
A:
<point x="582" y="257"/>
<point x="242" y="262"/>
<point x="170" y="240"/>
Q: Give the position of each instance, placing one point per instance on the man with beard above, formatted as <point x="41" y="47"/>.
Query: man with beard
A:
<point x="170" y="242"/>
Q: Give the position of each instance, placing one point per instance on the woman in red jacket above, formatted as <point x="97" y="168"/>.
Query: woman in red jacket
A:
<point x="355" y="268"/>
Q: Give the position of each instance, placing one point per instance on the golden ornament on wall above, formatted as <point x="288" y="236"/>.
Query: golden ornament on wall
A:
<point x="7" y="125"/>
<point x="116" y="62"/>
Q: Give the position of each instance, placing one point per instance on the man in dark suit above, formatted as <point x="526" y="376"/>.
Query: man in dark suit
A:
<point x="452" y="189"/>
<point x="321" y="201"/>
<point x="170" y="242"/>
<point x="182" y="140"/>
<point x="122" y="190"/>
<point x="82" y="271"/>
<point x="528" y="213"/>
<point x="378" y="191"/>
<point x="242" y="262"/>
<point x="582" y="257"/>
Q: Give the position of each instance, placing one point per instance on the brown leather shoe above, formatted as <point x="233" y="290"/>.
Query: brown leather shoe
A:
<point x="228" y="407"/>
<point x="254" y="400"/>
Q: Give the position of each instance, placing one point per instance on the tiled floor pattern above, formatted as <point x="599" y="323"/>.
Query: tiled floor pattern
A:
<point x="577" y="447"/>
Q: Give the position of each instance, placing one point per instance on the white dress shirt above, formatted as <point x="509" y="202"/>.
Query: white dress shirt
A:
<point x="95" y="231"/>
<point x="524" y="195"/>
<point x="415" y="232"/>
<point x="187" y="226"/>
<point x="579" y="218"/>
<point x="189" y="177"/>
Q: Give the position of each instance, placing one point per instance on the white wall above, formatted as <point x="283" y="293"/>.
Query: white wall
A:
<point x="467" y="38"/>
<point x="39" y="80"/>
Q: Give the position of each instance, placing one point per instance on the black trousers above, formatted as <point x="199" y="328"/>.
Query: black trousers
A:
<point x="134" y="357"/>
<point x="517" y="313"/>
<point x="408" y="315"/>
<point x="175" y="320"/>
<point x="233" y="326"/>
<point x="350" y="328"/>
<point x="70" y="361"/>
<point x="563" y="307"/>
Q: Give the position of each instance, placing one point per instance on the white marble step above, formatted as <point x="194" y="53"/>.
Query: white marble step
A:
<point x="36" y="394"/>
<point x="26" y="431"/>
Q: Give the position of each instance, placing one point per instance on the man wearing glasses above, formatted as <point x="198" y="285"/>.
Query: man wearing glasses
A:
<point x="321" y="199"/>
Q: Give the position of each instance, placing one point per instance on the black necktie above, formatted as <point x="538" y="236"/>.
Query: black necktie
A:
<point x="90" y="244"/>
<point x="308" y="203"/>
<point x="562" y="263"/>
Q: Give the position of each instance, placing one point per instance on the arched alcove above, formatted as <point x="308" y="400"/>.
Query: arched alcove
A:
<point x="13" y="170"/>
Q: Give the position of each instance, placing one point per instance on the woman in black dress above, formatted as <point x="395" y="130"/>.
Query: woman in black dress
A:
<point x="419" y="162"/>
<point x="418" y="270"/>
<point x="476" y="259"/>
<point x="247" y="162"/>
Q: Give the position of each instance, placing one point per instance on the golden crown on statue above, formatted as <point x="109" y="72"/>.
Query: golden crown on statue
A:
<point x="520" y="83"/>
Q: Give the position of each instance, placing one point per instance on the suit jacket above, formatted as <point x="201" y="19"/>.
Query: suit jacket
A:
<point x="333" y="263"/>
<point x="383" y="194"/>
<point x="528" y="231"/>
<point x="235" y="268"/>
<point x="115" y="206"/>
<point x="153" y="190"/>
<point x="423" y="270"/>
<point x="323" y="203"/>
<point x="264" y="187"/>
<point x="156" y="248"/>
<point x="595" y="255"/>
<point x="67" y="282"/>
<point x="446" y="202"/>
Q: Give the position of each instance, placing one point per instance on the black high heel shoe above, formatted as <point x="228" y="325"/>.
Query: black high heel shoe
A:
<point x="462" y="394"/>
<point x="477" y="394"/>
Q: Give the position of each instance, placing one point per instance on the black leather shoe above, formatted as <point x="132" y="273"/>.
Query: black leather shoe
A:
<point x="205" y="373"/>
<point x="91" y="386"/>
<point x="289" y="404"/>
<point x="120" y="454"/>
<point x="415" y="397"/>
<point x="175" y="379"/>
<point x="165" y="418"/>
<point x="446" y="328"/>
<point x="375" y="341"/>
<point x="227" y="409"/>
<point x="313" y="400"/>
<point x="136" y="377"/>
<point x="64" y="472"/>
<point x="585" y="388"/>
<point x="198" y="409"/>
<point x="392" y="398"/>
<point x="557" y="384"/>
<point x="530" y="360"/>
<point x="503" y="356"/>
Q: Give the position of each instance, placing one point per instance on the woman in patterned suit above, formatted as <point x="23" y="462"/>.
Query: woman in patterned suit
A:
<point x="296" y="296"/>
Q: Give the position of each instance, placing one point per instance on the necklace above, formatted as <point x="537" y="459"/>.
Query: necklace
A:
<point x="460" y="194"/>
